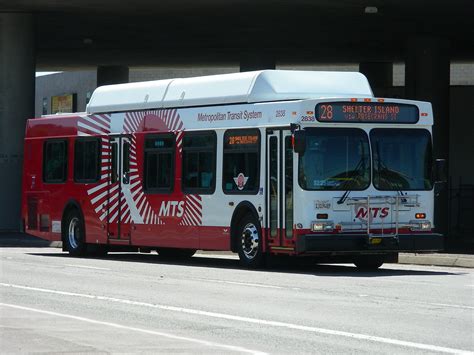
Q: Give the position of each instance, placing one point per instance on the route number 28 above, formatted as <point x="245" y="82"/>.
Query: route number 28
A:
<point x="326" y="112"/>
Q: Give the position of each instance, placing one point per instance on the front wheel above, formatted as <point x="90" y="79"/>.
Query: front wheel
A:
<point x="369" y="262"/>
<point x="249" y="242"/>
<point x="74" y="234"/>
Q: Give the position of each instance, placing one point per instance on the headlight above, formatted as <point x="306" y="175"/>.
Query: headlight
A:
<point x="418" y="225"/>
<point x="322" y="226"/>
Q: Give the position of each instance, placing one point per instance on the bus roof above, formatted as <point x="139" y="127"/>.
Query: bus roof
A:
<point x="247" y="87"/>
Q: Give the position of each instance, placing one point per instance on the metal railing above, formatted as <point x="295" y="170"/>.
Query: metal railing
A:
<point x="395" y="203"/>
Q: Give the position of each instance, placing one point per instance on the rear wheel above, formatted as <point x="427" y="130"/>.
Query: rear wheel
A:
<point x="97" y="250"/>
<point x="249" y="242"/>
<point x="369" y="262"/>
<point x="74" y="234"/>
<point x="173" y="253"/>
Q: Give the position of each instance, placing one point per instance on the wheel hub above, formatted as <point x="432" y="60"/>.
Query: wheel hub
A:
<point x="250" y="241"/>
<point x="73" y="233"/>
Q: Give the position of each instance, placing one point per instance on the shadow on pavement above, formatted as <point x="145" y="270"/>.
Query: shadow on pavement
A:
<point x="341" y="270"/>
<point x="22" y="240"/>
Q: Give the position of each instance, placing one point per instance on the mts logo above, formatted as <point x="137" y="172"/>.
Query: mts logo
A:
<point x="375" y="212"/>
<point x="172" y="209"/>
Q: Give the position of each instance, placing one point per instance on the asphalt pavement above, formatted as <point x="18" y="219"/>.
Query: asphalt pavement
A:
<point x="140" y="303"/>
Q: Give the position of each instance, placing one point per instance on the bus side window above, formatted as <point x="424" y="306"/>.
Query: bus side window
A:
<point x="159" y="163"/>
<point x="55" y="161"/>
<point x="199" y="162"/>
<point x="241" y="161"/>
<point x="86" y="160"/>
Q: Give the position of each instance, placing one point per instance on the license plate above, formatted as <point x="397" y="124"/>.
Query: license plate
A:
<point x="375" y="241"/>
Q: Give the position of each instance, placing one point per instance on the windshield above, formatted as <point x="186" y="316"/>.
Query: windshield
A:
<point x="335" y="159"/>
<point x="401" y="159"/>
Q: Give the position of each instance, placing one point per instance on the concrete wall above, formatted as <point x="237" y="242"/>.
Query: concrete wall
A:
<point x="75" y="82"/>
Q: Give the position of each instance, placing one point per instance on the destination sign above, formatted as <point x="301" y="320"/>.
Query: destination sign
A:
<point x="366" y="112"/>
<point x="241" y="139"/>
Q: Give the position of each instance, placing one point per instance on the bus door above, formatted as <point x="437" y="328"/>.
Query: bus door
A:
<point x="279" y="189"/>
<point x="118" y="214"/>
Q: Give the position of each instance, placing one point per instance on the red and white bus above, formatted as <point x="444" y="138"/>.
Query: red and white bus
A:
<point x="267" y="162"/>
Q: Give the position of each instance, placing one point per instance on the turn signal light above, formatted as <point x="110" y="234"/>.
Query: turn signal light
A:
<point x="420" y="215"/>
<point x="322" y="216"/>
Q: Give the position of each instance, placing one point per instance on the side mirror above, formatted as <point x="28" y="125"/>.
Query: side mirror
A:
<point x="299" y="141"/>
<point x="440" y="171"/>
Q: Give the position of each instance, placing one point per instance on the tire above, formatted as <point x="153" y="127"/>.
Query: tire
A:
<point x="369" y="262"/>
<point x="97" y="250"/>
<point x="249" y="242"/>
<point x="74" y="234"/>
<point x="172" y="253"/>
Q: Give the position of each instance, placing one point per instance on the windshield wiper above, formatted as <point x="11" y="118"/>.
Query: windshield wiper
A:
<point x="355" y="172"/>
<point x="383" y="167"/>
<point x="344" y="197"/>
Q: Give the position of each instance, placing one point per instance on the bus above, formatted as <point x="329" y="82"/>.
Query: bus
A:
<point x="272" y="162"/>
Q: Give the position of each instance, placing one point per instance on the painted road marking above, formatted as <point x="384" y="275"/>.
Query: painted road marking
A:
<point x="246" y="284"/>
<point x="139" y="330"/>
<point x="399" y="300"/>
<point x="446" y="305"/>
<point x="358" y="336"/>
<point x="89" y="267"/>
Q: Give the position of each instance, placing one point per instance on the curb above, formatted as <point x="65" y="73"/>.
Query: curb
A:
<point x="436" y="260"/>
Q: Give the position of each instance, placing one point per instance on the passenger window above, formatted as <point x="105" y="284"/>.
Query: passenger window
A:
<point x="86" y="160"/>
<point x="199" y="162"/>
<point x="241" y="161"/>
<point x="55" y="161"/>
<point x="159" y="163"/>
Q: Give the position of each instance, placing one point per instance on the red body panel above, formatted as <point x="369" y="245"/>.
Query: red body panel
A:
<point x="49" y="200"/>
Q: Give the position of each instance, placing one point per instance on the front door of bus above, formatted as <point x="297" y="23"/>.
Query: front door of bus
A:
<point x="118" y="215"/>
<point x="279" y="188"/>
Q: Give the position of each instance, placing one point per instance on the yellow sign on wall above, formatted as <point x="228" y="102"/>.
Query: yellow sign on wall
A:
<point x="63" y="103"/>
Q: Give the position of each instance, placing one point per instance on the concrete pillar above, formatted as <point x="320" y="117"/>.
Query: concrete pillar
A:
<point x="113" y="74"/>
<point x="427" y="70"/>
<point x="256" y="61"/>
<point x="379" y="74"/>
<point x="17" y="104"/>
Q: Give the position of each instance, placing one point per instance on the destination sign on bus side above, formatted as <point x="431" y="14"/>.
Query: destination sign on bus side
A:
<point x="369" y="112"/>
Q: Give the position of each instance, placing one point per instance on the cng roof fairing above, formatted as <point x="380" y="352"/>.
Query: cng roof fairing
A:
<point x="248" y="87"/>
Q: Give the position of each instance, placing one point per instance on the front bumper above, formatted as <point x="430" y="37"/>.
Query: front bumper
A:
<point x="360" y="243"/>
